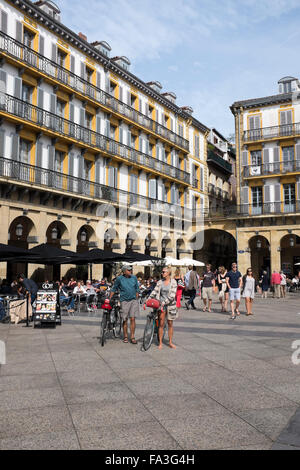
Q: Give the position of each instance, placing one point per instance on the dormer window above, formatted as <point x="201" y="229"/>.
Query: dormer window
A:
<point x="288" y="84"/>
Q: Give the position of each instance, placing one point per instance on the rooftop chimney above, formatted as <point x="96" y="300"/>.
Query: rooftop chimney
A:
<point x="82" y="36"/>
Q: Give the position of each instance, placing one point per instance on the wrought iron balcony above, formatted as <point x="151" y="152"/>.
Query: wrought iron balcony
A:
<point x="17" y="171"/>
<point x="281" y="168"/>
<point x="19" y="51"/>
<point x="212" y="157"/>
<point x="86" y="137"/>
<point x="268" y="133"/>
<point x="244" y="210"/>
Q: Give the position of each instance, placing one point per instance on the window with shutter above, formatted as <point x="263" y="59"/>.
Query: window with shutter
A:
<point x="286" y="120"/>
<point x="255" y="127"/>
<point x="4" y="21"/>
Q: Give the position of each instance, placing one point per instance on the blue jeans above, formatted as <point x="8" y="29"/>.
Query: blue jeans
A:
<point x="2" y="310"/>
<point x="69" y="301"/>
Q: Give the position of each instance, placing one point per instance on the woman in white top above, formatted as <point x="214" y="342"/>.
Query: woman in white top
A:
<point x="282" y="284"/>
<point x="249" y="288"/>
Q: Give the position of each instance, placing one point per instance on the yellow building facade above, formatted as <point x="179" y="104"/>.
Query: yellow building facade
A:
<point x="90" y="155"/>
<point x="268" y="179"/>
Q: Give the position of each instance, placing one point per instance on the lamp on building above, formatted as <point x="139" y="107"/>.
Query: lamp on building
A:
<point x="129" y="242"/>
<point x="258" y="244"/>
<point x="19" y="230"/>
<point x="147" y="243"/>
<point x="83" y="236"/>
<point x="292" y="242"/>
<point x="108" y="238"/>
<point x="54" y="233"/>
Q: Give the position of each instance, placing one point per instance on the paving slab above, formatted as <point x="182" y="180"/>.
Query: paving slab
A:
<point x="228" y="385"/>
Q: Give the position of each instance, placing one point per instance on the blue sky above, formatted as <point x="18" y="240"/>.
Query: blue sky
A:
<point x="210" y="53"/>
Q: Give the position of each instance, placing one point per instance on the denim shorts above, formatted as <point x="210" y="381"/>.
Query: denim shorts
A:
<point x="235" y="294"/>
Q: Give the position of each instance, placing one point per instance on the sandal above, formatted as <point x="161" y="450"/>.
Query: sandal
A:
<point x="125" y="340"/>
<point x="133" y="341"/>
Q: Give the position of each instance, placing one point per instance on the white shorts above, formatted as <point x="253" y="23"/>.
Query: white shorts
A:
<point x="235" y="294"/>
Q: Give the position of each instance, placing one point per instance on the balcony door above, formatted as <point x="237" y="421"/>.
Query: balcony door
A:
<point x="286" y="122"/>
<point x="256" y="162"/>
<point x="24" y="159"/>
<point x="289" y="196"/>
<point x="287" y="159"/>
<point x="58" y="168"/>
<point x="257" y="200"/>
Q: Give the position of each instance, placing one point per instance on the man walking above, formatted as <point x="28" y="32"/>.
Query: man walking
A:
<point x="192" y="285"/>
<point x="234" y="282"/>
<point x="275" y="282"/>
<point x="207" y="287"/>
<point x="128" y="286"/>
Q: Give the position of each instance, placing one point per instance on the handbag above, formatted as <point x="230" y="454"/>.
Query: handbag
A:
<point x="153" y="303"/>
<point x="180" y="284"/>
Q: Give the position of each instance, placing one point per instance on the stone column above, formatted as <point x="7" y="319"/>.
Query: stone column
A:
<point x="275" y="237"/>
<point x="4" y="226"/>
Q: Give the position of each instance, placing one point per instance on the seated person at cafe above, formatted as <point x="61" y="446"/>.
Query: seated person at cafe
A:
<point x="65" y="298"/>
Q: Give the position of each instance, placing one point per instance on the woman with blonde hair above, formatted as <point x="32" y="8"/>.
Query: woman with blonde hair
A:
<point x="223" y="288"/>
<point x="165" y="291"/>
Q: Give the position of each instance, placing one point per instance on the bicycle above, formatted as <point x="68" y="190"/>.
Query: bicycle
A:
<point x="152" y="324"/>
<point x="111" y="319"/>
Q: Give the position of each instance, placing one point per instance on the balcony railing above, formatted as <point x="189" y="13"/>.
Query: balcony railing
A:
<point x="281" y="168"/>
<point x="50" y="179"/>
<point x="265" y="133"/>
<point x="270" y="208"/>
<point x="214" y="158"/>
<point x="54" y="123"/>
<point x="21" y="52"/>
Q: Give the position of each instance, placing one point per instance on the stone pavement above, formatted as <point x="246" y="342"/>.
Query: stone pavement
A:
<point x="228" y="385"/>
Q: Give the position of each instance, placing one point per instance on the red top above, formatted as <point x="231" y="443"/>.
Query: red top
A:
<point x="276" y="278"/>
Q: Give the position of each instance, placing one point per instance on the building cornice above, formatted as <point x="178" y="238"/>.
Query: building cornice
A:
<point x="265" y="101"/>
<point x="75" y="40"/>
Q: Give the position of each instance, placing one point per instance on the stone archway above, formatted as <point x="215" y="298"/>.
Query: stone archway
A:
<point x="219" y="249"/>
<point x="290" y="254"/>
<point x="19" y="232"/>
<point x="260" y="255"/>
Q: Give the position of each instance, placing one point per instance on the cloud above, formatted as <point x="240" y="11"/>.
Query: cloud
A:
<point x="219" y="52"/>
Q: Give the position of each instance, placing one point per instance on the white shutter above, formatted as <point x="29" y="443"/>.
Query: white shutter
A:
<point x="245" y="158"/>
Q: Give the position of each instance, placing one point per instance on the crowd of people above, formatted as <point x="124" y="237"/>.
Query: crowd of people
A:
<point x="170" y="290"/>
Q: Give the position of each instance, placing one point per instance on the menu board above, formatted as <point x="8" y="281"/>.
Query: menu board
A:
<point x="46" y="302"/>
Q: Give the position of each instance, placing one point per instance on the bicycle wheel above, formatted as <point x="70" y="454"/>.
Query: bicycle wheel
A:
<point x="148" y="333"/>
<point x="103" y="329"/>
<point x="117" y="325"/>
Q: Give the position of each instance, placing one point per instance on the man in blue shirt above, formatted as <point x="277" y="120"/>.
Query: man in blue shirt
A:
<point x="128" y="286"/>
<point x="234" y="282"/>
